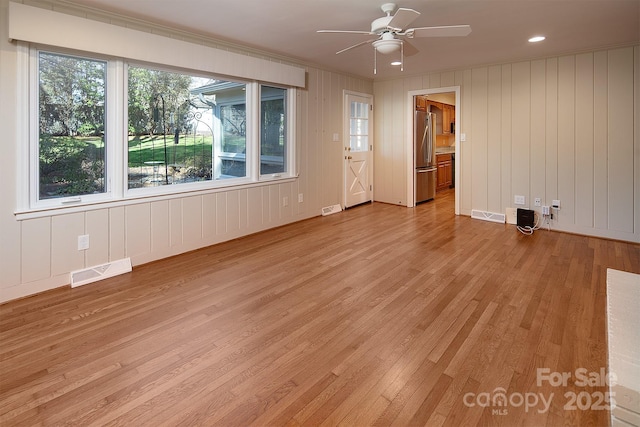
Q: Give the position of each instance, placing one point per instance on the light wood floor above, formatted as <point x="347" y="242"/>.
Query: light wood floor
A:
<point x="379" y="315"/>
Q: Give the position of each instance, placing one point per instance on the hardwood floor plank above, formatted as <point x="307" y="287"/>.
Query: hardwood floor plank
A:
<point x="379" y="315"/>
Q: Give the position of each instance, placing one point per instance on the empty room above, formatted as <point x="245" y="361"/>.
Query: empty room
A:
<point x="291" y="212"/>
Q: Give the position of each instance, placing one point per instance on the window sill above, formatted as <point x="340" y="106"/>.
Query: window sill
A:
<point x="133" y="199"/>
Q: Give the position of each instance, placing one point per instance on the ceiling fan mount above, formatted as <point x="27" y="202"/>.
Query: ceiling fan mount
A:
<point x="391" y="31"/>
<point x="388" y="8"/>
<point x="381" y="24"/>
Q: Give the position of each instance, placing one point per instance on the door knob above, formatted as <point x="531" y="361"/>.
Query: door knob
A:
<point x="349" y="157"/>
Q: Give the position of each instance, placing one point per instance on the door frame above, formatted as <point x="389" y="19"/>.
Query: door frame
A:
<point x="346" y="118"/>
<point x="409" y="142"/>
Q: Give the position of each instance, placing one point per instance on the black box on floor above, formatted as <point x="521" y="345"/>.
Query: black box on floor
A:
<point x="525" y="218"/>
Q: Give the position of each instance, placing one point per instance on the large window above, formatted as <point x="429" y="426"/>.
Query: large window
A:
<point x="182" y="128"/>
<point x="71" y="126"/>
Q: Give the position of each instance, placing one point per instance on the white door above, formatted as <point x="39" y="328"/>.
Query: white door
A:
<point x="358" y="149"/>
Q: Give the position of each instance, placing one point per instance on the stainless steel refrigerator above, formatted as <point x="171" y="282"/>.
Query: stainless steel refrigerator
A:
<point x="425" y="156"/>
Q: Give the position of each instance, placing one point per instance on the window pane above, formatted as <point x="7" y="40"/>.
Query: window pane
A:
<point x="273" y="138"/>
<point x="233" y="119"/>
<point x="359" y="126"/>
<point x="71" y="119"/>
<point x="180" y="126"/>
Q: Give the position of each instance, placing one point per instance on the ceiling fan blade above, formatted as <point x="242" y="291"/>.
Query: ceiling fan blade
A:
<point x="402" y="18"/>
<point x="445" y="31"/>
<point x="343" y="31"/>
<point x="356" y="45"/>
<point x="409" y="49"/>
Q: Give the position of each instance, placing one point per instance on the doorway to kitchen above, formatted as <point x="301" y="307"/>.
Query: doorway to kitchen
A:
<point x="444" y="104"/>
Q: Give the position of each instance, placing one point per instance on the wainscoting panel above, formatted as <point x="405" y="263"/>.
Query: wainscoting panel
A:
<point x="97" y="227"/>
<point x="36" y="249"/>
<point x="65" y="255"/>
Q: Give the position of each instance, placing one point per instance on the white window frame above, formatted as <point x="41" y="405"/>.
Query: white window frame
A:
<point x="34" y="135"/>
<point x="163" y="190"/>
<point x="116" y="136"/>
<point x="290" y="154"/>
<point x="220" y="134"/>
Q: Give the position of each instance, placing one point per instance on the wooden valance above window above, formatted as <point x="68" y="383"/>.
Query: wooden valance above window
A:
<point x="42" y="26"/>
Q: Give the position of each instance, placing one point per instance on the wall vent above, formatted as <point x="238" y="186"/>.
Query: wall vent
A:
<point x="99" y="272"/>
<point x="331" y="210"/>
<point x="488" y="216"/>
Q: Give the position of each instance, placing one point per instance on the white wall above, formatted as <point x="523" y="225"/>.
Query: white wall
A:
<point x="564" y="128"/>
<point x="38" y="254"/>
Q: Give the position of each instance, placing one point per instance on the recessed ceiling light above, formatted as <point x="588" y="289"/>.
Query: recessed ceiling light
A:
<point x="396" y="63"/>
<point x="536" y="39"/>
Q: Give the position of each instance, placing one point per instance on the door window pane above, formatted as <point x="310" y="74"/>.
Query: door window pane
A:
<point x="359" y="126"/>
<point x="71" y="126"/>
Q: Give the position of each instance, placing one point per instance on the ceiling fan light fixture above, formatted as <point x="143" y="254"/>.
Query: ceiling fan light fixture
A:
<point x="393" y="28"/>
<point x="387" y="46"/>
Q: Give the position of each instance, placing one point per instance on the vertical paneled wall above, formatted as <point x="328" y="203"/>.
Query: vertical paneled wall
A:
<point x="37" y="254"/>
<point x="558" y="128"/>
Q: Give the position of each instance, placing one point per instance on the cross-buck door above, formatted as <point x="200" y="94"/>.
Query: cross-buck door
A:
<point x="358" y="150"/>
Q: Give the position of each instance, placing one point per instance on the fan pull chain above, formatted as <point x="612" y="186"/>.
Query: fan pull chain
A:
<point x="375" y="61"/>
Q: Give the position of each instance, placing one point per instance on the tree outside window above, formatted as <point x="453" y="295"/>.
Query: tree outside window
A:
<point x="71" y="125"/>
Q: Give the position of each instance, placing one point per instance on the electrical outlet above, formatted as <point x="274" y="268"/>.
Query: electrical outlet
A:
<point x="545" y="210"/>
<point x="83" y="242"/>
<point x="300" y="198"/>
<point x="537" y="201"/>
<point x="555" y="204"/>
<point x="518" y="200"/>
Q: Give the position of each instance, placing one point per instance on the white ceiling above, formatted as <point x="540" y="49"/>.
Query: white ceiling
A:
<point x="500" y="28"/>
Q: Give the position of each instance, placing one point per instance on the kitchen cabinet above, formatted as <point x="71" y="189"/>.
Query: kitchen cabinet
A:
<point x="435" y="104"/>
<point x="444" y="177"/>
<point x="421" y="103"/>
<point x="448" y="117"/>
<point x="445" y="115"/>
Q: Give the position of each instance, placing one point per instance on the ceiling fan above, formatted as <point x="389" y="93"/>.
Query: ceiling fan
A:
<point x="390" y="28"/>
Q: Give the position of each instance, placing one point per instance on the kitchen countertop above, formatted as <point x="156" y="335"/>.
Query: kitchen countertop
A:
<point x="445" y="150"/>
